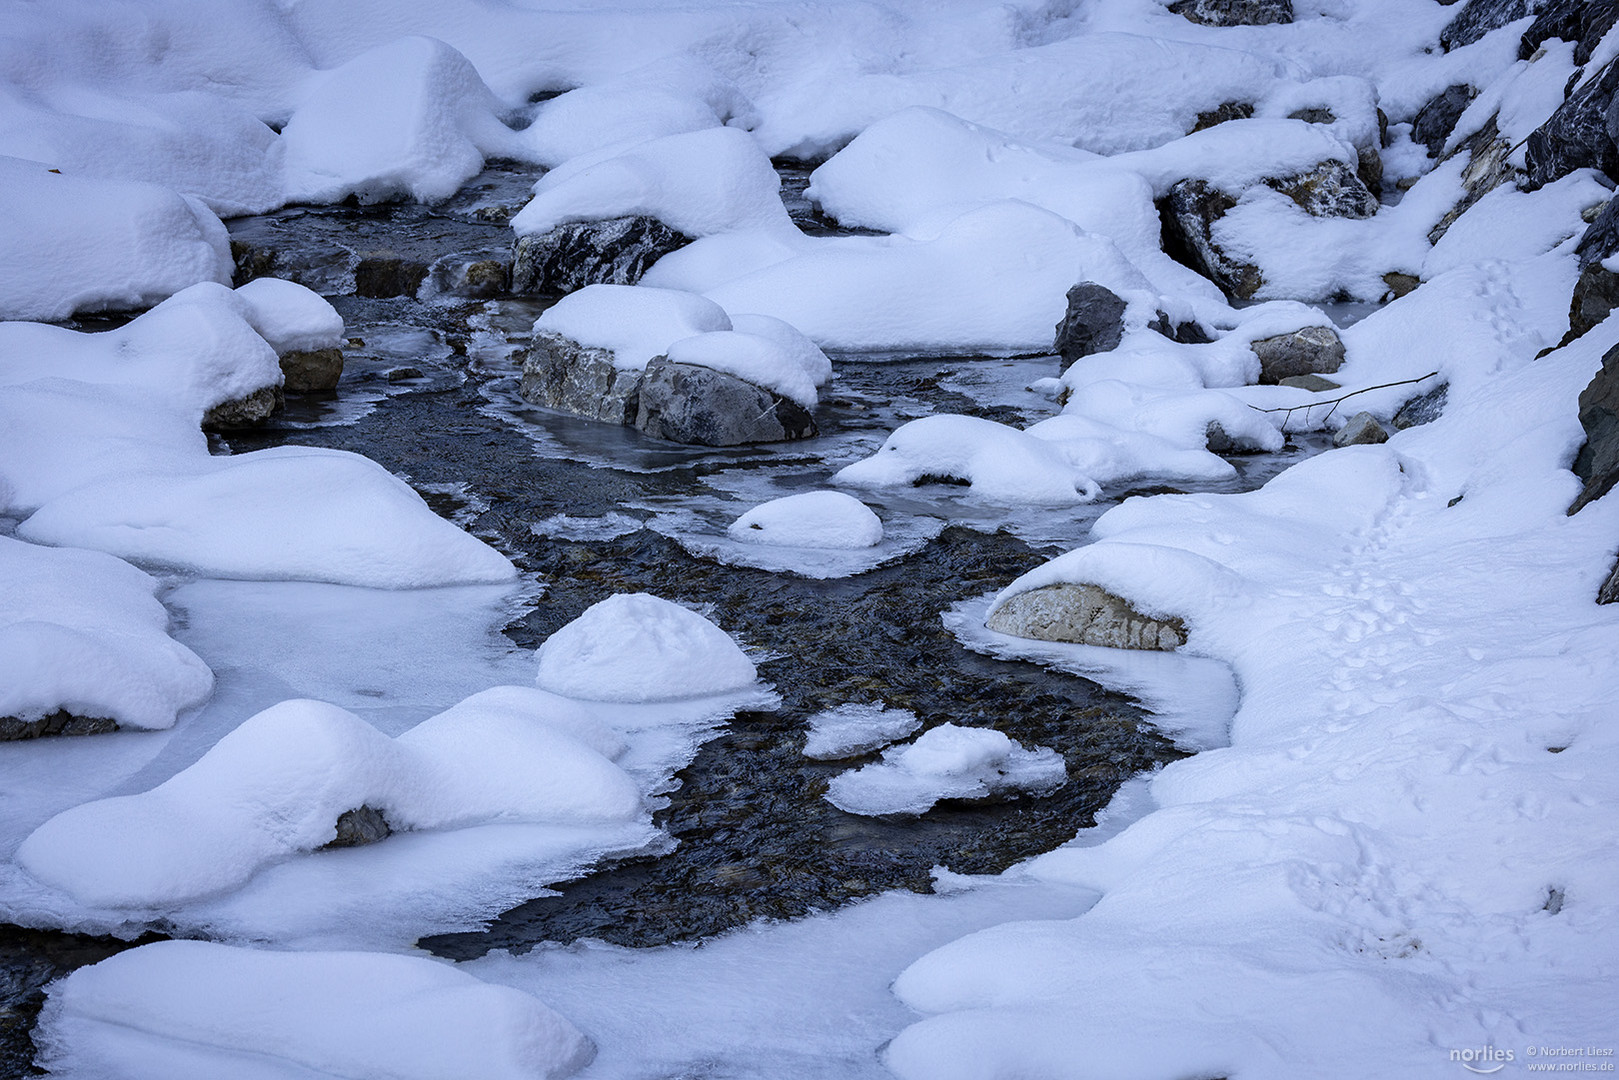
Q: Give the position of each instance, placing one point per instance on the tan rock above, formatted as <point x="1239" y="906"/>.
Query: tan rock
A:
<point x="1084" y="615"/>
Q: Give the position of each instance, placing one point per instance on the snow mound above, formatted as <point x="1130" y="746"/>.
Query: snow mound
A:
<point x="276" y="786"/>
<point x="637" y="647"/>
<point x="697" y="183"/>
<point x="71" y="243"/>
<point x="288" y="512"/>
<point x="946" y="762"/>
<point x="999" y="463"/>
<point x="411" y="117"/>
<point x="83" y="632"/>
<point x="195" y="1009"/>
<point x="751" y="358"/>
<point x="634" y="323"/>
<point x="290" y="317"/>
<point x="815" y="519"/>
<point x="848" y="731"/>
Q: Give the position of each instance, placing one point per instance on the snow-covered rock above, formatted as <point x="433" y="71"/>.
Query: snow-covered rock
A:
<point x="946" y="762"/>
<point x="814" y="519"/>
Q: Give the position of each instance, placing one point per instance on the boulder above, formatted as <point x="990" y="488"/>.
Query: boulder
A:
<point x="1400" y="283"/>
<point x="1487" y="168"/>
<point x="382" y="274"/>
<point x="1235" y="12"/>
<point x="1220" y="441"/>
<point x="1609" y="592"/>
<point x="1596" y="294"/>
<point x="360" y="826"/>
<point x="247" y="411"/>
<point x="1229" y="110"/>
<point x="310" y="370"/>
<point x="1314" y="350"/>
<point x="474" y="275"/>
<point x="1093" y="323"/>
<point x="61" y="722"/>
<point x="1601" y="237"/>
<point x="1437" y="119"/>
<point x="615" y="251"/>
<point x="1084" y="615"/>
<point x="1425" y="408"/>
<point x="1578" y="135"/>
<point x="564" y="375"/>
<point x="1363" y="429"/>
<point x="1188" y="213"/>
<point x="1479" y="17"/>
<point x="1583" y="22"/>
<point x="1331" y="189"/>
<point x="685" y="403"/>
<point x="1598" y="460"/>
<point x="1313" y="383"/>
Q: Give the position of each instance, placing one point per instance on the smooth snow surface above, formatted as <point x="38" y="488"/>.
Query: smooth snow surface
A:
<point x="637" y="647"/>
<point x="190" y="1009"/>
<point x="815" y="519"/>
<point x="945" y="762"/>
<point x="634" y="324"/>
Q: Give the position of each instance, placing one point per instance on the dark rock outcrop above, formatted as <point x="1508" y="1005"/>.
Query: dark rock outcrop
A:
<point x="1217" y="440"/>
<point x="616" y="251"/>
<point x="1583" y="22"/>
<point x="1598" y="460"/>
<point x="1085" y="615"/>
<point x="311" y="370"/>
<point x="1314" y="350"/>
<point x="1578" y="135"/>
<point x="1228" y="110"/>
<point x="1487" y="169"/>
<point x="1331" y="189"/>
<point x="700" y="406"/>
<point x="1235" y="12"/>
<point x="246" y="411"/>
<point x="564" y="375"/>
<point x="1437" y="119"/>
<point x="1093" y="323"/>
<point x="1425" y="408"/>
<point x="382" y="274"/>
<point x="1596" y="294"/>
<point x="1601" y="238"/>
<point x="61" y="722"/>
<point x="1479" y="17"/>
<point x="360" y="826"/>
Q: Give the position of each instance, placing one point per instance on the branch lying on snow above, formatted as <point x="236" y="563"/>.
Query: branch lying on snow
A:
<point x="1335" y="402"/>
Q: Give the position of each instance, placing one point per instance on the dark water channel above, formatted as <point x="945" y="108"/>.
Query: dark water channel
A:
<point x="428" y="391"/>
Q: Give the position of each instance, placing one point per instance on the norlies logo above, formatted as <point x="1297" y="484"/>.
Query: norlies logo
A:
<point x="1484" y="1060"/>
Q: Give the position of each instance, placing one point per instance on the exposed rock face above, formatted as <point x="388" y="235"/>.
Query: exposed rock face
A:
<point x="1422" y="409"/>
<point x="564" y="375"/>
<point x="13" y="728"/>
<point x="1190" y="209"/>
<point x="1314" y="350"/>
<point x="1436" y="120"/>
<point x="1598" y="460"/>
<point x="1220" y="441"/>
<point x="616" y="251"/>
<point x="360" y="826"/>
<point x="1363" y="429"/>
<point x="1609" y="593"/>
<point x="1487" y="169"/>
<point x="1085" y="615"/>
<point x="472" y="277"/>
<point x="1313" y="383"/>
<point x="696" y="405"/>
<point x="311" y="370"/>
<point x="1188" y="214"/>
<point x="1578" y="135"/>
<point x="246" y="411"/>
<point x="1479" y="17"/>
<point x="1399" y="284"/>
<point x="1094" y="322"/>
<point x="1583" y="22"/>
<point x="1235" y="12"/>
<point x="1596" y="294"/>
<point x="383" y="273"/>
<point x="1601" y="237"/>
<point x="1229" y="110"/>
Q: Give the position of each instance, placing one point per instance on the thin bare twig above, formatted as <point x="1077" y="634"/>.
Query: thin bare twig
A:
<point x="1335" y="402"/>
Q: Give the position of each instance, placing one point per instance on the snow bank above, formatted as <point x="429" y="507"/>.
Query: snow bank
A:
<point x="195" y="1009"/>
<point x="290" y="317"/>
<point x="276" y="786"/>
<point x="634" y="323"/>
<point x="847" y="731"/>
<point x="697" y="183"/>
<point x="83" y="632"/>
<point x="71" y="243"/>
<point x="945" y="762"/>
<point x="408" y="118"/>
<point x="815" y="519"/>
<point x="636" y="647"/>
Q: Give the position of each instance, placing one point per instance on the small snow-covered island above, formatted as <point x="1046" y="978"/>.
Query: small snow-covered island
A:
<point x="831" y="539"/>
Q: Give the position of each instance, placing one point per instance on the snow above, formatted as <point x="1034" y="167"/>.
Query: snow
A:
<point x="945" y="762"/>
<point x="847" y="731"/>
<point x="637" y="647"/>
<point x="84" y="633"/>
<point x="814" y="519"/>
<point x="72" y="243"/>
<point x="195" y="1009"/>
<point x="633" y="323"/>
<point x="290" y="317"/>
